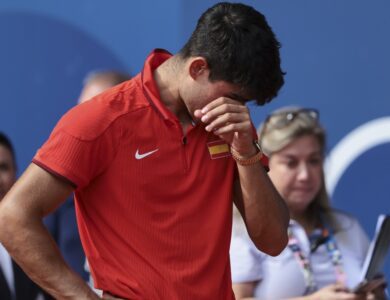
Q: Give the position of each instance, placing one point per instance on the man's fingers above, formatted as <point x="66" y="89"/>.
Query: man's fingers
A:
<point x="218" y="102"/>
<point x="230" y="120"/>
<point x="233" y="127"/>
<point x="227" y="119"/>
<point x="224" y="112"/>
<point x="224" y="109"/>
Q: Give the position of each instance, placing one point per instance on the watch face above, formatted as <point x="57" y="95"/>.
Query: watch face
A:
<point x="257" y="145"/>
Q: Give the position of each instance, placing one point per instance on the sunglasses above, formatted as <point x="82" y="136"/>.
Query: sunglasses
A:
<point x="279" y="120"/>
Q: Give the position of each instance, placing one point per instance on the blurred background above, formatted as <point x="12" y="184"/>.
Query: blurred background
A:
<point x="335" y="53"/>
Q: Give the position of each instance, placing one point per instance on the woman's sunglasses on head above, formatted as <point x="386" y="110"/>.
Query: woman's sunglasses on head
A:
<point x="279" y="120"/>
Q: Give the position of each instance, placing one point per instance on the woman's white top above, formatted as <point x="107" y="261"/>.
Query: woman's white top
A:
<point x="281" y="276"/>
<point x="7" y="269"/>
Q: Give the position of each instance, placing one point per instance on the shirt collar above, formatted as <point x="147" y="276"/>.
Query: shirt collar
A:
<point x="150" y="89"/>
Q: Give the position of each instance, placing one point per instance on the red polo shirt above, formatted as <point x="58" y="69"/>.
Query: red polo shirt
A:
<point x="154" y="207"/>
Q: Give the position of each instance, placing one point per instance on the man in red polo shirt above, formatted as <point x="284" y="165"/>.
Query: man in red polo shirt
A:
<point x="155" y="163"/>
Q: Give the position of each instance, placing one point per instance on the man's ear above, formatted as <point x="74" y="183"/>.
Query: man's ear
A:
<point x="198" y="66"/>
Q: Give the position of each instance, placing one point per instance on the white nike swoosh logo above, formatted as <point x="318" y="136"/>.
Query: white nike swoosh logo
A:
<point x="143" y="155"/>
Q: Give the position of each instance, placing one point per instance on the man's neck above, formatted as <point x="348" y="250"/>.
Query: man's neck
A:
<point x="167" y="77"/>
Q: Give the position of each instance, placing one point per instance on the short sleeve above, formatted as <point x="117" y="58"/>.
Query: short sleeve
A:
<point x="81" y="146"/>
<point x="245" y="259"/>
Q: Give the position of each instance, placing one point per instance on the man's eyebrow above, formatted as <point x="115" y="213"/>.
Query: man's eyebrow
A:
<point x="237" y="97"/>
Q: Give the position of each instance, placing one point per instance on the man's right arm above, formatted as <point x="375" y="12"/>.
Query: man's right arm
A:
<point x="23" y="234"/>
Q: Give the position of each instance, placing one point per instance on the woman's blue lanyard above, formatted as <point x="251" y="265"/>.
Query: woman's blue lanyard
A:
<point x="303" y="261"/>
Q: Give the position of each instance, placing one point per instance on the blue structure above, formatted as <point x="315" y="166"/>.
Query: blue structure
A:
<point x="335" y="54"/>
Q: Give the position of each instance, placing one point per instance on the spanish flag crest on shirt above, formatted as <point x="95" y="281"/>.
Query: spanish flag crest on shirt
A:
<point x="218" y="149"/>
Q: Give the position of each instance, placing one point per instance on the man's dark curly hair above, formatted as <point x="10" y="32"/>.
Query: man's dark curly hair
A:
<point x="240" y="48"/>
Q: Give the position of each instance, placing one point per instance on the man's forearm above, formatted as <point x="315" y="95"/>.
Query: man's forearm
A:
<point x="265" y="213"/>
<point x="32" y="247"/>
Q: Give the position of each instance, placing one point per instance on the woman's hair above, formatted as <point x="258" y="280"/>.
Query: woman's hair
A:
<point x="284" y="126"/>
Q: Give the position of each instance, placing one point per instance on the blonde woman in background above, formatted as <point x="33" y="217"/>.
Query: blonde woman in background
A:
<point x="326" y="247"/>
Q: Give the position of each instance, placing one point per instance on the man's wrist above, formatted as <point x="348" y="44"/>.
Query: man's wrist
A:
<point x="249" y="158"/>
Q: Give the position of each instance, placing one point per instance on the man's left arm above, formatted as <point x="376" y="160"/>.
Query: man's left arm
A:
<point x="263" y="210"/>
